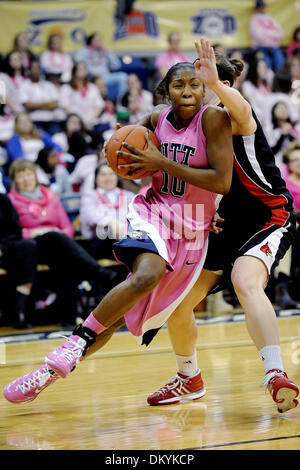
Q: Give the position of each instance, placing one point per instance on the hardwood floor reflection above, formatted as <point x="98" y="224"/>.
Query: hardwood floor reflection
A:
<point x="102" y="404"/>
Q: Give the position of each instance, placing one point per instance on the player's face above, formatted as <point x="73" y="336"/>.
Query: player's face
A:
<point x="186" y="93"/>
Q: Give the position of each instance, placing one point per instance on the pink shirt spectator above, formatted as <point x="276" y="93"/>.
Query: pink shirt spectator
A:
<point x="295" y="192"/>
<point x="265" y="31"/>
<point x="83" y="102"/>
<point x="47" y="212"/>
<point x="168" y="59"/>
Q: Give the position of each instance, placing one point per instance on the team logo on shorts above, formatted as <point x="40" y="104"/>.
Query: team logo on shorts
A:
<point x="137" y="235"/>
<point x="266" y="249"/>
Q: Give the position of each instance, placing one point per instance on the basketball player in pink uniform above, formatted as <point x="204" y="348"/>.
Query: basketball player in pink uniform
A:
<point x="168" y="227"/>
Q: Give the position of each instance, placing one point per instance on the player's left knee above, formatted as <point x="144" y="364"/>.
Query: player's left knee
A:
<point x="181" y="316"/>
<point x="245" y="284"/>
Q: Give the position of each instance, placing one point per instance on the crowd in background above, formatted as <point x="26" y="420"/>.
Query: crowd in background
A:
<point x="58" y="111"/>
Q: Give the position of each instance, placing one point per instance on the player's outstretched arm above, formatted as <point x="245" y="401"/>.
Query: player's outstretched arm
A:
<point x="239" y="109"/>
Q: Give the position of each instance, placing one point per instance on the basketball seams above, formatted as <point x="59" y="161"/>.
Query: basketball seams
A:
<point x="122" y="144"/>
<point x="115" y="145"/>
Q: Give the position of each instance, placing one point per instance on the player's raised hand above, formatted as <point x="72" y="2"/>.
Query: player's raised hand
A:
<point x="205" y="65"/>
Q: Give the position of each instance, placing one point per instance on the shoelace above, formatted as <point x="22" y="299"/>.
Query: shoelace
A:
<point x="265" y="381"/>
<point x="174" y="382"/>
<point x="72" y="350"/>
<point x="36" y="378"/>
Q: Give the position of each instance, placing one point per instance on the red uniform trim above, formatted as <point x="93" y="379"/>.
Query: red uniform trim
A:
<point x="275" y="202"/>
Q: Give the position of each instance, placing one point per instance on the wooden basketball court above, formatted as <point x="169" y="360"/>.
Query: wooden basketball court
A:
<point x="102" y="404"/>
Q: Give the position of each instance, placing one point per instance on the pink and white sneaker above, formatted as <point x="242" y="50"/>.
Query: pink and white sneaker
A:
<point x="28" y="387"/>
<point x="179" y="387"/>
<point x="64" y="358"/>
<point x="282" y="389"/>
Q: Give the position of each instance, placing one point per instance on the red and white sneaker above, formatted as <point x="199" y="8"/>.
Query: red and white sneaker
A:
<point x="28" y="387"/>
<point x="179" y="387"/>
<point x="282" y="389"/>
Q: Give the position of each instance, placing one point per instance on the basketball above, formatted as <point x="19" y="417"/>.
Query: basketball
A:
<point x="133" y="135"/>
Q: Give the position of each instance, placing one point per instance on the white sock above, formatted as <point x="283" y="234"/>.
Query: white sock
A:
<point x="271" y="357"/>
<point x="187" y="365"/>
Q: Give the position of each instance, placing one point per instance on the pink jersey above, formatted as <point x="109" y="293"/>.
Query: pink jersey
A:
<point x="176" y="208"/>
<point x="188" y="147"/>
<point x="174" y="216"/>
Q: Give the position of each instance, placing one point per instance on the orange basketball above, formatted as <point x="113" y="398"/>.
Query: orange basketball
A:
<point x="133" y="135"/>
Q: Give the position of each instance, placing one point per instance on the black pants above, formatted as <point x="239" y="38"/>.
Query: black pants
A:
<point x="69" y="265"/>
<point x="65" y="257"/>
<point x="20" y="262"/>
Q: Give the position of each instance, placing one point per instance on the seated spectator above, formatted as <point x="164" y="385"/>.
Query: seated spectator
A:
<point x="103" y="212"/>
<point x="292" y="64"/>
<point x="281" y="91"/>
<point x="82" y="97"/>
<point x="291" y="275"/>
<point x="266" y="34"/>
<point x="51" y="173"/>
<point x="138" y="101"/>
<point x="256" y="86"/>
<point x="173" y="55"/>
<point x="39" y="209"/>
<point x="74" y="139"/>
<point x="43" y="218"/>
<point x="55" y="62"/>
<point x="27" y="140"/>
<point x="19" y="258"/>
<point x="295" y="42"/>
<point x="291" y="157"/>
<point x="282" y="131"/>
<point x="40" y="98"/>
<point x="101" y="62"/>
<point x="13" y="78"/>
<point x="83" y="175"/>
<point x="21" y="45"/>
<point x="107" y="119"/>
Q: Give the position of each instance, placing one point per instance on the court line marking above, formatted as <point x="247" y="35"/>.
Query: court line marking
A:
<point x="255" y="441"/>
<point x="130" y="353"/>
